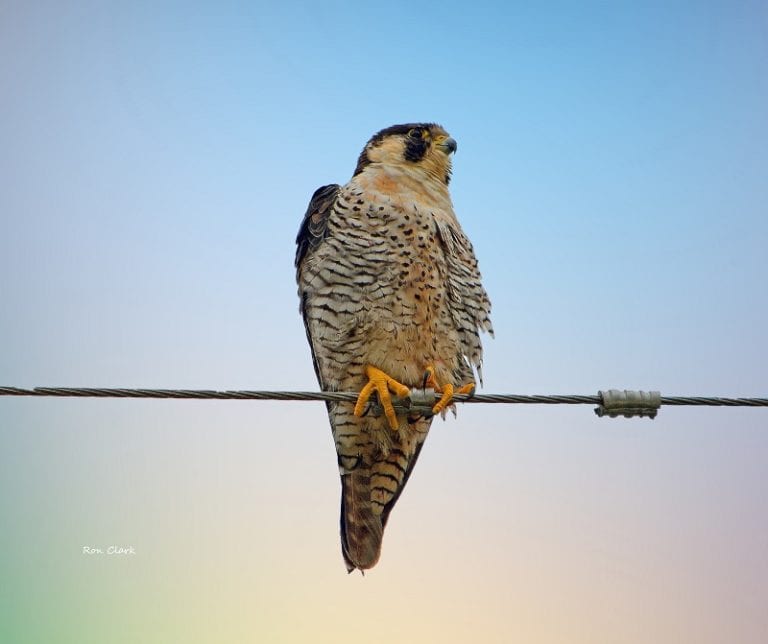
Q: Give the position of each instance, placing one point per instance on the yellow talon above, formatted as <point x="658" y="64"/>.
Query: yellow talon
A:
<point x="445" y="399"/>
<point x="447" y="390"/>
<point x="469" y="388"/>
<point x="381" y="383"/>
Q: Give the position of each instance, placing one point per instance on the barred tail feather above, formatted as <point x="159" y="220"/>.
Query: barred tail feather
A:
<point x="361" y="527"/>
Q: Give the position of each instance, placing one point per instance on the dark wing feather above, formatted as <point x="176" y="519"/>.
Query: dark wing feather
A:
<point x="313" y="226"/>
<point x="311" y="234"/>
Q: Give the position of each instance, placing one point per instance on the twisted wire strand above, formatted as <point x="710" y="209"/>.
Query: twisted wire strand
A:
<point x="343" y="396"/>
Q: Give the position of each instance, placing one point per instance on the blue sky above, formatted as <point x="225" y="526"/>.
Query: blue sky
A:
<point x="156" y="162"/>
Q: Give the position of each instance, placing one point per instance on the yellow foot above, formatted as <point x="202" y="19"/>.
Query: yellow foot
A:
<point x="447" y="390"/>
<point x="381" y="383"/>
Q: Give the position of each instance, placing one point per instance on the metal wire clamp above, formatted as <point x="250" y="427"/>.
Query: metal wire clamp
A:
<point x="628" y="403"/>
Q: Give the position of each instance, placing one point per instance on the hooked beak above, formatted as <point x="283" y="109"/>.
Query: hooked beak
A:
<point x="448" y="145"/>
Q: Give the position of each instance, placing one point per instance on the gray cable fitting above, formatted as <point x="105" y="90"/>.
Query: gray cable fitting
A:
<point x="628" y="403"/>
<point x="421" y="401"/>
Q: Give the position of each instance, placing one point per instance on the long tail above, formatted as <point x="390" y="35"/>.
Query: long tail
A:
<point x="370" y="491"/>
<point x="361" y="527"/>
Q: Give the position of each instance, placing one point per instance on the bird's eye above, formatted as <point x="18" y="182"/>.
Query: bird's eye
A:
<point x="415" y="133"/>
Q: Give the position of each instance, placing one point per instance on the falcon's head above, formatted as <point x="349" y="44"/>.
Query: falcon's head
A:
<point x="424" y="145"/>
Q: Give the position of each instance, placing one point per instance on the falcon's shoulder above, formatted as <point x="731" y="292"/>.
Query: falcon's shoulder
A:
<point x="315" y="223"/>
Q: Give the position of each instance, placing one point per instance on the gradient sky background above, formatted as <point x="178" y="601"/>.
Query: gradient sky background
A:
<point x="611" y="172"/>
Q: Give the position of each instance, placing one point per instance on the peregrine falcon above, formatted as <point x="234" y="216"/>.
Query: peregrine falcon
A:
<point x="390" y="292"/>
